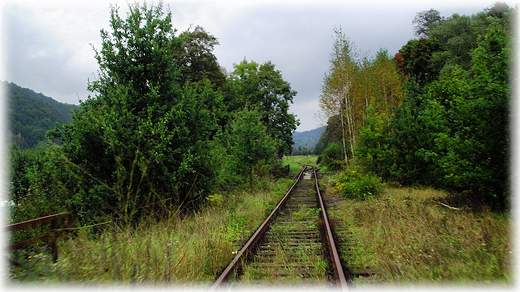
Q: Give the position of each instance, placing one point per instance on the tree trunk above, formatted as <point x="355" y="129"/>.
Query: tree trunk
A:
<point x="343" y="136"/>
<point x="350" y="124"/>
<point x="251" y="179"/>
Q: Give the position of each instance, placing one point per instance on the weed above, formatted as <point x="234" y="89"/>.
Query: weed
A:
<point x="405" y="236"/>
<point x="215" y="199"/>
<point x="352" y="184"/>
<point x="186" y="250"/>
<point x="305" y="213"/>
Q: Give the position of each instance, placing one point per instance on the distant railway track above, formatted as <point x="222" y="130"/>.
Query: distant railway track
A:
<point x="293" y="246"/>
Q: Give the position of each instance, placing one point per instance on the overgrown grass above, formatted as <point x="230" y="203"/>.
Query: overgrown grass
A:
<point x="183" y="250"/>
<point x="355" y="185"/>
<point x="286" y="266"/>
<point x="407" y="237"/>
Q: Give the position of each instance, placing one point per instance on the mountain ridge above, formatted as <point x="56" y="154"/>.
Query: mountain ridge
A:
<point x="306" y="140"/>
<point x="31" y="115"/>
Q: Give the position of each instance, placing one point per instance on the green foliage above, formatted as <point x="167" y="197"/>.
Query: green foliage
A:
<point x="321" y="144"/>
<point x="350" y="87"/>
<point x="35" y="184"/>
<point x="372" y="149"/>
<point x="447" y="43"/>
<point x="196" y="60"/>
<point x="355" y="185"/>
<point x="425" y="21"/>
<point x="451" y="132"/>
<point x="411" y="133"/>
<point x="459" y="35"/>
<point x="215" y="199"/>
<point x="156" y="135"/>
<point x="250" y="145"/>
<point x="36" y="189"/>
<point x="418" y="63"/>
<point x="332" y="157"/>
<point x="477" y="150"/>
<point x="262" y="88"/>
<point x="142" y="144"/>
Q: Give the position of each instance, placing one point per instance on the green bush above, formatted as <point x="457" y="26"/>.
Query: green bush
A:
<point x="355" y="185"/>
<point x="332" y="157"/>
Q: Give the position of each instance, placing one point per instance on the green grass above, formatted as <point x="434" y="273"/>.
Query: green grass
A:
<point x="183" y="250"/>
<point x="407" y="237"/>
<point x="297" y="162"/>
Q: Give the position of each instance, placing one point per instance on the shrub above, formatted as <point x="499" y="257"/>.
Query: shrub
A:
<point x="355" y="185"/>
<point x="332" y="157"/>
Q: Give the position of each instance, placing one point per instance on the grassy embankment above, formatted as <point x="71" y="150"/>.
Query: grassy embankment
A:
<point x="407" y="237"/>
<point x="184" y="250"/>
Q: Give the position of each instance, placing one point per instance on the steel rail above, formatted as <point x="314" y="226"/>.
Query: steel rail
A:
<point x="253" y="240"/>
<point x="336" y="263"/>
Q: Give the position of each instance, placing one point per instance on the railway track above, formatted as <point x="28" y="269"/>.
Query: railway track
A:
<point x="293" y="246"/>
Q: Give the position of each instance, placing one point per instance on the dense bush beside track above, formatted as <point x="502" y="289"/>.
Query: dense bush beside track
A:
<point x="355" y="185"/>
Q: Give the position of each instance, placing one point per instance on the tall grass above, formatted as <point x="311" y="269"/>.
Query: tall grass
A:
<point x="407" y="237"/>
<point x="182" y="250"/>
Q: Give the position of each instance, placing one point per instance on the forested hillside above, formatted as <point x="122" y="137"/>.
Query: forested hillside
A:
<point x="306" y="140"/>
<point x="32" y="114"/>
<point x="435" y="114"/>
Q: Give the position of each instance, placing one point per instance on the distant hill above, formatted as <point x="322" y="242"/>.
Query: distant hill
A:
<point x="309" y="138"/>
<point x="32" y="114"/>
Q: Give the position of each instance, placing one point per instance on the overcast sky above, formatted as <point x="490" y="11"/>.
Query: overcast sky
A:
<point x="46" y="45"/>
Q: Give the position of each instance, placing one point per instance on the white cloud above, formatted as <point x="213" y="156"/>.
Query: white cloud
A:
<point x="48" y="42"/>
<point x="306" y="111"/>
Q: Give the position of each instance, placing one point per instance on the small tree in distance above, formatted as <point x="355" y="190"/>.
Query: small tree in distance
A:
<point x="424" y="21"/>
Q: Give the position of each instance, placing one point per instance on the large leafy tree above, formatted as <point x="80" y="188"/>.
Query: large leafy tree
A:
<point x="141" y="143"/>
<point x="195" y="57"/>
<point x="417" y="60"/>
<point x="262" y="88"/>
<point x="459" y="35"/>
<point x="250" y="144"/>
<point x="425" y="21"/>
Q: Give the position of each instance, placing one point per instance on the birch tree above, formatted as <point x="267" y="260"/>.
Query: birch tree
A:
<point x="388" y="81"/>
<point x="337" y="96"/>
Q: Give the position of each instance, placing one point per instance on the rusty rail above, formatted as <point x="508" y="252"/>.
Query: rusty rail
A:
<point x="53" y="219"/>
<point x="341" y="281"/>
<point x="253" y="240"/>
<point x="246" y="250"/>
